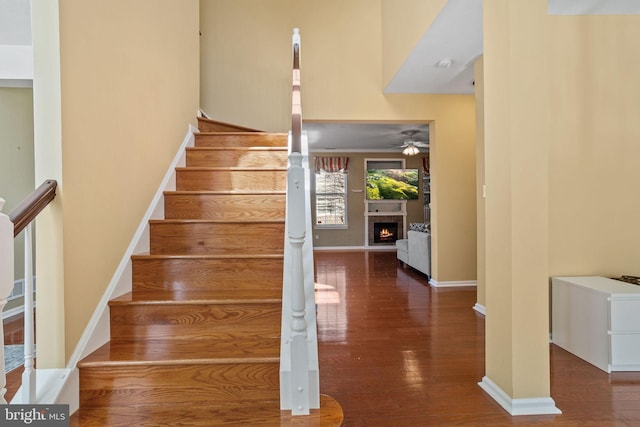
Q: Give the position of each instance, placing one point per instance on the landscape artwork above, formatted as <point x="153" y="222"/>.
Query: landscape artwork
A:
<point x="392" y="184"/>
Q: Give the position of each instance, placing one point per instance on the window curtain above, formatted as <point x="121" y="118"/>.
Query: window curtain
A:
<point x="332" y="164"/>
<point x="425" y="165"/>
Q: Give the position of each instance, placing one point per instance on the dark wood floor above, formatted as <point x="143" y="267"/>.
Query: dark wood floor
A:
<point x="396" y="352"/>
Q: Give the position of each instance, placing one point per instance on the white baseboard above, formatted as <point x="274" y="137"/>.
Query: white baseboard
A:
<point x="480" y="309"/>
<point x="460" y="284"/>
<point x="49" y="383"/>
<point x="629" y="368"/>
<point x="528" y="406"/>
<point x="338" y="248"/>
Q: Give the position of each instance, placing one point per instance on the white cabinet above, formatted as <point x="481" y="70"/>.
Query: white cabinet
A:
<point x="598" y="320"/>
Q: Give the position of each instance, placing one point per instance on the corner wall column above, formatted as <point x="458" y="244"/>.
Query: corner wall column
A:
<point x="517" y="128"/>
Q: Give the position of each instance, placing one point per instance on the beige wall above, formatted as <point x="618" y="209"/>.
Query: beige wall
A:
<point x="129" y="79"/>
<point x="595" y="131"/>
<point x="246" y="79"/>
<point x="354" y="234"/>
<point x="480" y="208"/>
<point x="16" y="159"/>
<point x="560" y="134"/>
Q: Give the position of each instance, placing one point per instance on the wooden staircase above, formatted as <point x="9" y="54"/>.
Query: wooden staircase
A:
<point x="197" y="340"/>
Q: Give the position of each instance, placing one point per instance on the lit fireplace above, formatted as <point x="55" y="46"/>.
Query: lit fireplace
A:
<point x="385" y="232"/>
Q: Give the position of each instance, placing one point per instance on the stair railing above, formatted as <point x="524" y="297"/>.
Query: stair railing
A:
<point x="19" y="219"/>
<point x="299" y="377"/>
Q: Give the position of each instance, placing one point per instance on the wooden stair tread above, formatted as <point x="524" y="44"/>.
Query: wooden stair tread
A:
<point x="229" y="168"/>
<point x="172" y="352"/>
<point x="206" y="122"/>
<point x="266" y="413"/>
<point x="240" y="133"/>
<point x="226" y="193"/>
<point x="240" y="139"/>
<point x="257" y="220"/>
<point x="204" y="257"/>
<point x="221" y="296"/>
<point x="251" y="148"/>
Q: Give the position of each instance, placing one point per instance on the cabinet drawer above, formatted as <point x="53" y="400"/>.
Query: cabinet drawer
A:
<point x="625" y="351"/>
<point x="625" y="315"/>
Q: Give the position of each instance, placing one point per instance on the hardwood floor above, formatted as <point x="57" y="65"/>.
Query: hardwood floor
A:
<point x="13" y="328"/>
<point x="397" y="352"/>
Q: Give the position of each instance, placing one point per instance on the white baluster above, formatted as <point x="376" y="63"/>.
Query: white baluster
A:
<point x="29" y="374"/>
<point x="299" y="347"/>
<point x="6" y="284"/>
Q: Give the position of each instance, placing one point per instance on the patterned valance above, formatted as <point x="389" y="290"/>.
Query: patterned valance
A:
<point x="332" y="164"/>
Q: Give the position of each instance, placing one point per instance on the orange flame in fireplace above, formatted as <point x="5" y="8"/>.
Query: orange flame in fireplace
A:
<point x="385" y="233"/>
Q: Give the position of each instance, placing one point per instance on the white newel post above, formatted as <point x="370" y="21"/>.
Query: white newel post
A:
<point x="29" y="374"/>
<point x="300" y="401"/>
<point x="6" y="284"/>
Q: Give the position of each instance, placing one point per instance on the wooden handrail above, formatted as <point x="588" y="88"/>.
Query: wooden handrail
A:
<point x="30" y="207"/>
<point x="296" y="104"/>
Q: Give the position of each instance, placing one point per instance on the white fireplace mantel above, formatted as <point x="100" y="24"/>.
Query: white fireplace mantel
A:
<point x="384" y="208"/>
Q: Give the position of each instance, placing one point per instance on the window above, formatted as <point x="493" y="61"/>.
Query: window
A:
<point x="331" y="191"/>
<point x="331" y="198"/>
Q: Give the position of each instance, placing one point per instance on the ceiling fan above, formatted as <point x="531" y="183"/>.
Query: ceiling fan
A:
<point x="410" y="145"/>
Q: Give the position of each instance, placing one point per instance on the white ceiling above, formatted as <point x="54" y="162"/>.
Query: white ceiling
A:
<point x="455" y="36"/>
<point x="16" y="54"/>
<point x="363" y="137"/>
<point x="15" y="22"/>
<point x="593" y="7"/>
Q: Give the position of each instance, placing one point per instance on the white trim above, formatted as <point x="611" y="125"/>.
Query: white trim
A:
<point x="480" y="309"/>
<point x="24" y="83"/>
<point x="338" y="248"/>
<point x="388" y="248"/>
<point x="97" y="331"/>
<point x="452" y="284"/>
<point x="527" y="406"/>
<point x="622" y="367"/>
<point x="48" y="384"/>
<point x="16" y="62"/>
